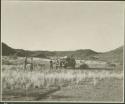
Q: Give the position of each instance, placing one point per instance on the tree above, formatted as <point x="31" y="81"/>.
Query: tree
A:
<point x="70" y="62"/>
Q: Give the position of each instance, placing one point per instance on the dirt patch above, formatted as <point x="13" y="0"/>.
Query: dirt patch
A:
<point x="27" y="95"/>
<point x="106" y="90"/>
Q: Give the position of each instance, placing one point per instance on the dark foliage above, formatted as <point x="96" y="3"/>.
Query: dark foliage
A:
<point x="84" y="66"/>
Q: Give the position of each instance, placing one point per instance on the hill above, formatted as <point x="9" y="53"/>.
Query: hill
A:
<point x="6" y="50"/>
<point x="82" y="53"/>
<point x="115" y="55"/>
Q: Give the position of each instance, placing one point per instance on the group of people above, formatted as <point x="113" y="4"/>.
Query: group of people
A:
<point x="57" y="64"/>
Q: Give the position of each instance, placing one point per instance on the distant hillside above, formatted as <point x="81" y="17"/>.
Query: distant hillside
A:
<point x="45" y="54"/>
<point x="6" y="50"/>
<point x="83" y="53"/>
<point x="115" y="55"/>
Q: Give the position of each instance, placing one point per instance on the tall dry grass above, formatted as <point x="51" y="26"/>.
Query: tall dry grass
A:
<point x="20" y="79"/>
<point x="14" y="77"/>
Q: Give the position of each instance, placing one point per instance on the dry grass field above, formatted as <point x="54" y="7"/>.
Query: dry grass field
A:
<point x="59" y="85"/>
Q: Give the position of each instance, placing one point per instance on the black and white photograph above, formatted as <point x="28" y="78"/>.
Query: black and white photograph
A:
<point x="62" y="51"/>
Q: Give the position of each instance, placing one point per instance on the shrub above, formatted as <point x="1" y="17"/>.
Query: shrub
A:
<point x="83" y="66"/>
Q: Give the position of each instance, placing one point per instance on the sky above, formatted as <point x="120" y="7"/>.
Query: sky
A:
<point x="62" y="26"/>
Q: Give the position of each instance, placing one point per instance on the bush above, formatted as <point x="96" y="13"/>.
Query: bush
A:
<point x="112" y="65"/>
<point x="83" y="66"/>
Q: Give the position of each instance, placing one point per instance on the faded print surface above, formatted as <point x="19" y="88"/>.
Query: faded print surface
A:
<point x="62" y="51"/>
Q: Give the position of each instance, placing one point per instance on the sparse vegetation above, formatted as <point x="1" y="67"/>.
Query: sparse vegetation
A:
<point x="15" y="78"/>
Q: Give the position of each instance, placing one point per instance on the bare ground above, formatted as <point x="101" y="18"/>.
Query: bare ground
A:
<point x="105" y="90"/>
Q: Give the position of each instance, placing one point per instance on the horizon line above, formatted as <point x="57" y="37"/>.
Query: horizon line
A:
<point x="63" y="50"/>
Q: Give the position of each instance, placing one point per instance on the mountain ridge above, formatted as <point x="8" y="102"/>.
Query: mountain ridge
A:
<point x="51" y="53"/>
<point x="113" y="55"/>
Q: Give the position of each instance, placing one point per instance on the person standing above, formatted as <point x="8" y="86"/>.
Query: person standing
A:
<point x="73" y="61"/>
<point x="31" y="66"/>
<point x="51" y="64"/>
<point x="57" y="64"/>
<point x="25" y="63"/>
<point x="61" y="64"/>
